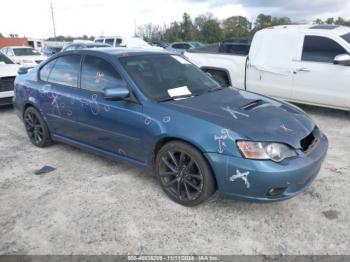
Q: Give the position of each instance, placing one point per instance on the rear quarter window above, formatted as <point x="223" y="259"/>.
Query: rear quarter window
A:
<point x="46" y="70"/>
<point x="65" y="71"/>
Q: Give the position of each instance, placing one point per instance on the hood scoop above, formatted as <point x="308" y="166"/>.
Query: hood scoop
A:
<point x="253" y="104"/>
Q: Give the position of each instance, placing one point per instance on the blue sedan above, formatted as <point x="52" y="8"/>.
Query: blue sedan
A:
<point x="158" y="111"/>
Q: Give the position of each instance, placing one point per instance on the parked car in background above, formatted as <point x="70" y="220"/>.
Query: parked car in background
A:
<point x="158" y="111"/>
<point x="23" y="55"/>
<point x="130" y="42"/>
<point x="8" y="72"/>
<point x="159" y="44"/>
<point x="51" y="50"/>
<point x="76" y="46"/>
<point x="307" y="64"/>
<point x="196" y="44"/>
<point x="179" y="47"/>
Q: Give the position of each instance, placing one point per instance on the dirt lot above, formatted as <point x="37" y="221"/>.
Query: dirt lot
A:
<point x="90" y="205"/>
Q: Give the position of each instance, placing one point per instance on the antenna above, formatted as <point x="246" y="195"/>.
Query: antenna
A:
<point x="53" y="21"/>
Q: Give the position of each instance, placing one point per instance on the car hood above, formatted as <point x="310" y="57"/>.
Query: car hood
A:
<point x="249" y="115"/>
<point x="8" y="70"/>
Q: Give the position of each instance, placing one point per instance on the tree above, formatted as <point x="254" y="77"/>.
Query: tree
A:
<point x="173" y="33"/>
<point x="318" y="21"/>
<point x="330" y="21"/>
<point x="150" y="32"/>
<point x="236" y="26"/>
<point x="207" y="29"/>
<point x="342" y="21"/>
<point x="1" y="35"/>
<point x="187" y="28"/>
<point x="262" y="21"/>
<point x="211" y="32"/>
<point x="281" y="21"/>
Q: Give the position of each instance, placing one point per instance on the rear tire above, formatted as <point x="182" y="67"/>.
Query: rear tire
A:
<point x="184" y="174"/>
<point x="36" y="128"/>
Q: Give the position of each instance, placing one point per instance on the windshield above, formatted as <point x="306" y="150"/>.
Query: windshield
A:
<point x="5" y="60"/>
<point x="163" y="76"/>
<point x="25" y="51"/>
<point x="346" y="37"/>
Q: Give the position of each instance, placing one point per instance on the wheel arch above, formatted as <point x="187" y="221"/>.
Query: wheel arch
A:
<point x="26" y="105"/>
<point x="31" y="104"/>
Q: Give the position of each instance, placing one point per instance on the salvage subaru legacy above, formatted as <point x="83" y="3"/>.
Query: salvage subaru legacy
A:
<point x="158" y="111"/>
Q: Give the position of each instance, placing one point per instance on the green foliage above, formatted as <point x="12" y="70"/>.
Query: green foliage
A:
<point x="264" y="21"/>
<point x="236" y="26"/>
<point x="211" y="32"/>
<point x="332" y="20"/>
<point x="208" y="29"/>
<point x="187" y="28"/>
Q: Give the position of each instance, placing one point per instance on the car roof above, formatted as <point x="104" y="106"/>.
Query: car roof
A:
<point x="313" y="28"/>
<point x="118" y="51"/>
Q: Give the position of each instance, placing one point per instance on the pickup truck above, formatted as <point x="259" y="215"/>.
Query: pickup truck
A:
<point x="308" y="64"/>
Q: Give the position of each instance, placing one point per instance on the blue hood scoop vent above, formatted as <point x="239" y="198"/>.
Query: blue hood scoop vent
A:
<point x="253" y="104"/>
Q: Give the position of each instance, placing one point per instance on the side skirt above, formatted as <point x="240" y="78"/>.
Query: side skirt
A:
<point x="101" y="152"/>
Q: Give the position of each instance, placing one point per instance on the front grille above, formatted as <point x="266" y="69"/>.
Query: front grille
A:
<point x="308" y="142"/>
<point x="38" y="61"/>
<point x="6" y="83"/>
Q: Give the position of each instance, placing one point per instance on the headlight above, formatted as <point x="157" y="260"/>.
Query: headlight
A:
<point x="265" y="150"/>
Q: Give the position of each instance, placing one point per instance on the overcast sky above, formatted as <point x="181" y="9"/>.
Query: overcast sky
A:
<point x="32" y="18"/>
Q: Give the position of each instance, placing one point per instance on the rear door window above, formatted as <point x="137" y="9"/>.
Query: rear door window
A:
<point x="65" y="71"/>
<point x="321" y="49"/>
<point x="98" y="74"/>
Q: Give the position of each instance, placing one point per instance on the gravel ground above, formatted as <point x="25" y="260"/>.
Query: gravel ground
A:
<point x="90" y="205"/>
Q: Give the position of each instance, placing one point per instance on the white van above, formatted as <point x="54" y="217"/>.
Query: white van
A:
<point x="307" y="64"/>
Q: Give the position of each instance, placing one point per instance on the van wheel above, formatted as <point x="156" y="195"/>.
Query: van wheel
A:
<point x="36" y="128"/>
<point x="184" y="174"/>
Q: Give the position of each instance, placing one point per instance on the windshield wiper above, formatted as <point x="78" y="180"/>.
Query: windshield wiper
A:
<point x="175" y="97"/>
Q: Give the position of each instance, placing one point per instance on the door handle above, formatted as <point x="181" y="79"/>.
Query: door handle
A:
<point x="302" y="69"/>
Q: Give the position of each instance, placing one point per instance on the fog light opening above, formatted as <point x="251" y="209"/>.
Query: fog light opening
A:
<point x="276" y="191"/>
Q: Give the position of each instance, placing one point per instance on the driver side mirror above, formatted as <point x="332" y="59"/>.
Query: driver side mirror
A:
<point x="343" y="59"/>
<point x="116" y="93"/>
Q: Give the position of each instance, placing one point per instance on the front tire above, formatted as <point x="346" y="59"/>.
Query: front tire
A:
<point x="36" y="128"/>
<point x="184" y="174"/>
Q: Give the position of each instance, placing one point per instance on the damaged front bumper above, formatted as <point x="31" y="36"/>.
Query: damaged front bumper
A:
<point x="265" y="180"/>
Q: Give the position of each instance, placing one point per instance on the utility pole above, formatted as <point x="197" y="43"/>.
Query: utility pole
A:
<point x="53" y="21"/>
<point x="135" y="34"/>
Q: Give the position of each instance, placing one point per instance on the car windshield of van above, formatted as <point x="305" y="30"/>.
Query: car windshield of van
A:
<point x="25" y="51"/>
<point x="5" y="60"/>
<point x="164" y="77"/>
<point x="346" y="37"/>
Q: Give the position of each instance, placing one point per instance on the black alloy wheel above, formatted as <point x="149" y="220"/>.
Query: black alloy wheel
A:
<point x="184" y="174"/>
<point x="36" y="128"/>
